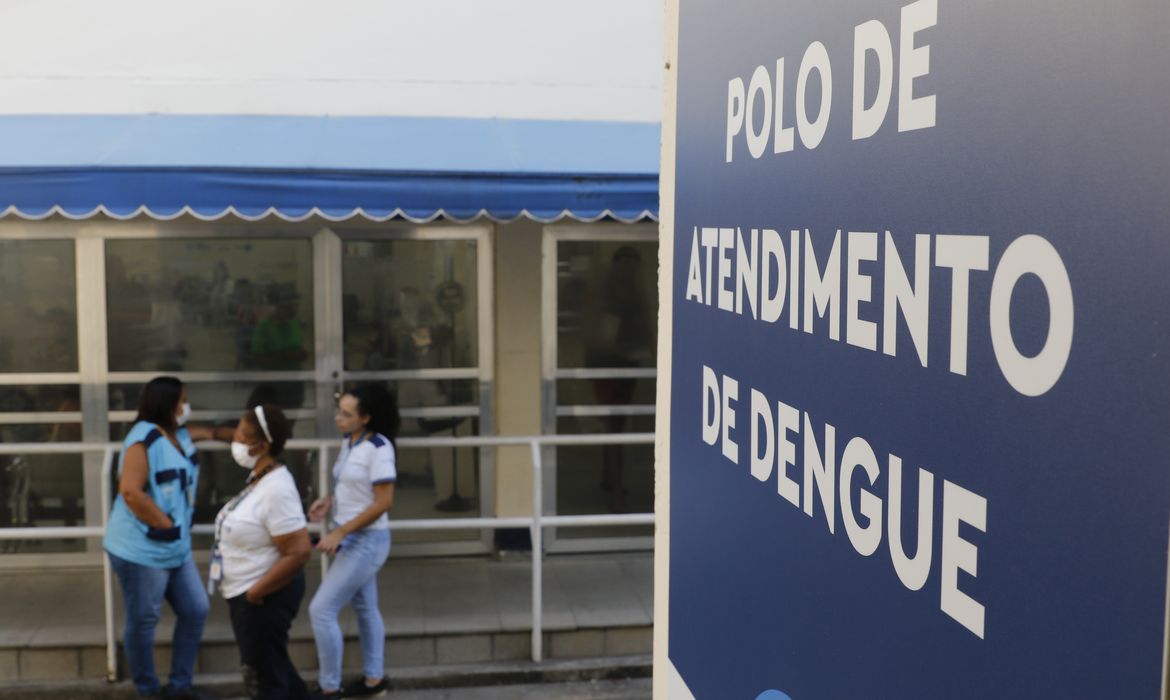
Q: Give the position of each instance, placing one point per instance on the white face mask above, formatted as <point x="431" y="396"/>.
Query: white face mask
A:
<point x="240" y="454"/>
<point x="184" y="415"/>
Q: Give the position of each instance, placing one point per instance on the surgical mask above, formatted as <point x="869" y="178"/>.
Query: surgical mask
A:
<point x="184" y="415"/>
<point x="240" y="454"/>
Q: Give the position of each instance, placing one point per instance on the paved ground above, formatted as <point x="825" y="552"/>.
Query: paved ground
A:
<point x="636" y="689"/>
<point x="417" y="596"/>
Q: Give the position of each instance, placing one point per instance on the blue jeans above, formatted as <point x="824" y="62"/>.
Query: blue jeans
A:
<point x="352" y="580"/>
<point x="143" y="591"/>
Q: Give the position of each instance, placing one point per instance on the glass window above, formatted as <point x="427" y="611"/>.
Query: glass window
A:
<point x="38" y="306"/>
<point x="604" y="478"/>
<point x="410" y="304"/>
<point x="634" y="391"/>
<point x="210" y="305"/>
<point x="41" y="490"/>
<point x="607" y="303"/>
<point x="227" y="398"/>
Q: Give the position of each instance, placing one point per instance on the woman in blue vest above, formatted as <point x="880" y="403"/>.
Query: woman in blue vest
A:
<point x="148" y="538"/>
<point x="359" y="541"/>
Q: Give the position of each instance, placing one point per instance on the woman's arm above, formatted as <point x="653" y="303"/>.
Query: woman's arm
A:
<point x="222" y="433"/>
<point x="294" y="551"/>
<point x="383" y="500"/>
<point x="132" y="488"/>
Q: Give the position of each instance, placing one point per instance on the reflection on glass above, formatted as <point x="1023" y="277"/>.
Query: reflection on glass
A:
<point x="409" y="304"/>
<point x="41" y="491"/>
<point x="210" y="305"/>
<point x="38" y="307"/>
<point x="607" y="297"/>
<point x="416" y="395"/>
<point x="438" y="482"/>
<point x="604" y="478"/>
<point x="224" y="396"/>
<point x="586" y="392"/>
<point x="606" y="305"/>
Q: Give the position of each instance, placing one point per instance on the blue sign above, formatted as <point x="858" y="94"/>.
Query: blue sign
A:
<point x="920" y="390"/>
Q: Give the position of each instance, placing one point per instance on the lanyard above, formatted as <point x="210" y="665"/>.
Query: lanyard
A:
<point x="215" y="572"/>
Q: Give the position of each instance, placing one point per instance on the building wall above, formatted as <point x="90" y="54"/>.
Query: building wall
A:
<point x="532" y="59"/>
<point x="518" y="343"/>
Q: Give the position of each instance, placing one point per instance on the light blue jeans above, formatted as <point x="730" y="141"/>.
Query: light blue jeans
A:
<point x="352" y="580"/>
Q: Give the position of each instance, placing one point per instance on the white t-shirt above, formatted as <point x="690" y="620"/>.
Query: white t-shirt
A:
<point x="273" y="508"/>
<point x="356" y="471"/>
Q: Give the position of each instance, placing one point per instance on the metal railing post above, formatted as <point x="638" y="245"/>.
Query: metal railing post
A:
<point x="323" y="484"/>
<point x="107" y="577"/>
<point x="537" y="536"/>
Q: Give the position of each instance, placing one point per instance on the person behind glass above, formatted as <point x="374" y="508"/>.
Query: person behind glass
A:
<point x="148" y="538"/>
<point x="363" y="493"/>
<point x="258" y="558"/>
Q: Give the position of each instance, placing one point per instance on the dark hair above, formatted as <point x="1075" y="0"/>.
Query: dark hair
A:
<point x="160" y="401"/>
<point x="381" y="405"/>
<point x="278" y="427"/>
<point x="261" y="395"/>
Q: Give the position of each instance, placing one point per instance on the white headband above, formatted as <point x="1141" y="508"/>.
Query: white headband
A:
<point x="263" y="422"/>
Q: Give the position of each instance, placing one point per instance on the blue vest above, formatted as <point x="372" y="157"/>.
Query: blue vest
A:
<point x="171" y="485"/>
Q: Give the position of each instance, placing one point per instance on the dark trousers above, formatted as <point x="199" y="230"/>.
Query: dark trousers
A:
<point x="262" y="635"/>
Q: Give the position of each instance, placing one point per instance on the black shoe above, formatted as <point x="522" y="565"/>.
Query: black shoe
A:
<point x="359" y="689"/>
<point x="317" y="694"/>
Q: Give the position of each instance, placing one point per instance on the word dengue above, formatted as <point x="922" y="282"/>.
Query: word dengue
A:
<point x="828" y="475"/>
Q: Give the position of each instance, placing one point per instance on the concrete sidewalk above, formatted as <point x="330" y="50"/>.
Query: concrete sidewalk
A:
<point x="616" y="678"/>
<point x="438" y="611"/>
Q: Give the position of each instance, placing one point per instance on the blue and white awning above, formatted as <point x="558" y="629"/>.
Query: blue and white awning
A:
<point x="336" y="168"/>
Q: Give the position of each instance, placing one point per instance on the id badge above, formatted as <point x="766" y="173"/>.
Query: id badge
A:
<point x="214" y="572"/>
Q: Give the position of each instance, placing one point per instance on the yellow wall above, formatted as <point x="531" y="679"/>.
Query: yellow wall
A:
<point x="517" y="371"/>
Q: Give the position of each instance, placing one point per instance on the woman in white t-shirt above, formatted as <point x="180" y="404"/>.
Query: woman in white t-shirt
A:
<point x="257" y="561"/>
<point x="363" y="492"/>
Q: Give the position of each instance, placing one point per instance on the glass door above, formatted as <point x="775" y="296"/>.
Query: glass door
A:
<point x="40" y="399"/>
<point x="600" y="340"/>
<point x="416" y="312"/>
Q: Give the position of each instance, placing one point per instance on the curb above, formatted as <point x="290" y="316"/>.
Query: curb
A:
<point x="407" y="678"/>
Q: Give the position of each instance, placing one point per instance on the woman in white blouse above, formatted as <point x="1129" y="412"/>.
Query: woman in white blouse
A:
<point x="363" y="492"/>
<point x="261" y="546"/>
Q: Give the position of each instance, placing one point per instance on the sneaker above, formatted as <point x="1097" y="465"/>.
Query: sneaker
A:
<point x="359" y="689"/>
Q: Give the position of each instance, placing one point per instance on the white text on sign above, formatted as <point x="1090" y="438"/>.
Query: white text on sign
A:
<point x="767" y="89"/>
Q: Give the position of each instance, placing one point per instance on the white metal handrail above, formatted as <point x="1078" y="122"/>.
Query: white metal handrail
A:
<point x="535" y="523"/>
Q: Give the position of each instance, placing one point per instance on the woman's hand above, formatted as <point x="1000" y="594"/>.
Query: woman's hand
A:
<point x="319" y="509"/>
<point x="330" y="543"/>
<point x="253" y="597"/>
